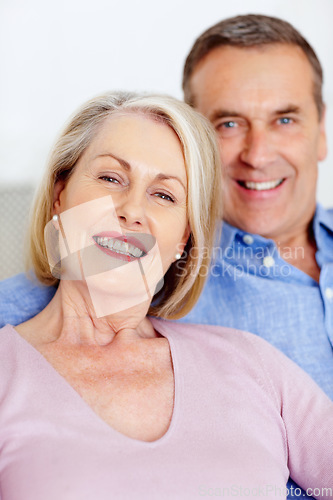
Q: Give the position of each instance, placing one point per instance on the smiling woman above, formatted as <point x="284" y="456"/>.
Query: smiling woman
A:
<point x="98" y="399"/>
<point x="149" y="173"/>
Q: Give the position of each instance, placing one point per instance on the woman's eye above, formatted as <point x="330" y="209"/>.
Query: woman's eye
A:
<point x="110" y="179"/>
<point x="165" y="196"/>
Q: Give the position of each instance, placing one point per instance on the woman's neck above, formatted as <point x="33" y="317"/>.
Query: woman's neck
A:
<point x="70" y="318"/>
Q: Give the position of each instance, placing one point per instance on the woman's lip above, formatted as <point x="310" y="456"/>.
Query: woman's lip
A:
<point x="115" y="255"/>
<point x="123" y="237"/>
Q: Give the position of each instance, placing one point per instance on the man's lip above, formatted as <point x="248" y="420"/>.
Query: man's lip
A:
<point x="253" y="195"/>
<point x="259" y="181"/>
<point x="277" y="180"/>
<point x="132" y="240"/>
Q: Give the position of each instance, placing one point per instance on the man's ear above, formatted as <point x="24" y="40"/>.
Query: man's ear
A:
<point x="58" y="188"/>
<point x="322" y="142"/>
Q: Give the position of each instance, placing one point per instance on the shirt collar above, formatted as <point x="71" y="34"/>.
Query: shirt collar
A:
<point x="322" y="218"/>
<point x="323" y="233"/>
<point x="228" y="235"/>
<point x="231" y="233"/>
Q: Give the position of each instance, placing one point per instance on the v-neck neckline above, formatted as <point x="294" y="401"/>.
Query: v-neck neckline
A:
<point x="91" y="412"/>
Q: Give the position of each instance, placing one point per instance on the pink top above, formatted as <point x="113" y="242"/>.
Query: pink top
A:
<point x="244" y="417"/>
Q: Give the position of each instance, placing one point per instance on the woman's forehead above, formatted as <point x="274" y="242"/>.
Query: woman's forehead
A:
<point x="138" y="139"/>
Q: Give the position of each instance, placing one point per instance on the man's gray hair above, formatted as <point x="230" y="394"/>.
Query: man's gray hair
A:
<point x="250" y="31"/>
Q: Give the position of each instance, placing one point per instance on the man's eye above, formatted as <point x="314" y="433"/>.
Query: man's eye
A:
<point x="229" y="124"/>
<point x="165" y="196"/>
<point x="285" y="120"/>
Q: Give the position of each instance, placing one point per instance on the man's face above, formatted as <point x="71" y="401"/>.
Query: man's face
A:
<point x="261" y="103"/>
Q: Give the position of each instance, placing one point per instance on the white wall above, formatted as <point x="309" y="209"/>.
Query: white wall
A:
<point x="54" y="55"/>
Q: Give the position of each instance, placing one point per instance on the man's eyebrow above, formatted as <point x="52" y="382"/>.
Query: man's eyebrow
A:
<point x="288" y="109"/>
<point x="128" y="168"/>
<point x="224" y="113"/>
<point x="230" y="113"/>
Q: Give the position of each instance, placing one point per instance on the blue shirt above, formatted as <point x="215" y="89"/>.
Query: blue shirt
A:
<point x="276" y="301"/>
<point x="22" y="297"/>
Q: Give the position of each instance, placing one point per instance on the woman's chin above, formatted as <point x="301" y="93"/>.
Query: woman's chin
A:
<point x="114" y="291"/>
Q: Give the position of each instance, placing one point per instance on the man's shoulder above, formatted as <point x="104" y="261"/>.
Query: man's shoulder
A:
<point x="20" y="284"/>
<point x="324" y="216"/>
<point x="330" y="213"/>
<point x="22" y="297"/>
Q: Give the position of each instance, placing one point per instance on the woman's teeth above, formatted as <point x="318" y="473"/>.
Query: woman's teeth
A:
<point x="119" y="246"/>
<point x="261" y="186"/>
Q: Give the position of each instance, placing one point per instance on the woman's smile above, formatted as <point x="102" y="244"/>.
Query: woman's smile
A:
<point x="124" y="246"/>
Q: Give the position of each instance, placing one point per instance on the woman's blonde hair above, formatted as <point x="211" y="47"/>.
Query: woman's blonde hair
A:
<point x="185" y="278"/>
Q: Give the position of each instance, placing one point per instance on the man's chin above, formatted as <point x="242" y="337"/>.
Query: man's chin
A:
<point x="259" y="224"/>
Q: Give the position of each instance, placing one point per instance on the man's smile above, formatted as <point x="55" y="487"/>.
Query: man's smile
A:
<point x="261" y="186"/>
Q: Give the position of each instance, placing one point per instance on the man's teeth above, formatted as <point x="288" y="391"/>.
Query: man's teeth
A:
<point x="119" y="246"/>
<point x="261" y="186"/>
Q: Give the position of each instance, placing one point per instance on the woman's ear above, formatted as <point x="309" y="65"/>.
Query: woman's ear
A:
<point x="58" y="188"/>
<point x="186" y="234"/>
<point x="184" y="240"/>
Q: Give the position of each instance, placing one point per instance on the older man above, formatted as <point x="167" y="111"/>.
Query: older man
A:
<point x="260" y="84"/>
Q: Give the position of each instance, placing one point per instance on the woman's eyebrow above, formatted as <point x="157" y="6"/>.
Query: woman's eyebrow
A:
<point x="128" y="168"/>
<point x="164" y="177"/>
<point x="122" y="162"/>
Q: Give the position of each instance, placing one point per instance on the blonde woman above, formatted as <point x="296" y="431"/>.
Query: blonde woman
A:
<point x="99" y="397"/>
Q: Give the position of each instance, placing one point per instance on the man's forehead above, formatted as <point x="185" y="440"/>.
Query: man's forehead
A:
<point x="277" y="72"/>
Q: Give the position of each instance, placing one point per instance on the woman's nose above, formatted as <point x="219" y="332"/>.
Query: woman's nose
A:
<point x="131" y="210"/>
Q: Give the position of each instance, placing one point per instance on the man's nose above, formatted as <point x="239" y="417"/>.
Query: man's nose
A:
<point x="258" y="148"/>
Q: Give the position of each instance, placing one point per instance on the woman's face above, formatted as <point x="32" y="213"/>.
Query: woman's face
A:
<point x="125" y="202"/>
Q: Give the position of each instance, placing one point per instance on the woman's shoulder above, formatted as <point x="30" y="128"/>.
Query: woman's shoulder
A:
<point x="7" y="332"/>
<point x="8" y="342"/>
<point x="219" y="336"/>
<point x="10" y="355"/>
<point x="13" y="349"/>
<point x="243" y="349"/>
<point x="243" y="353"/>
